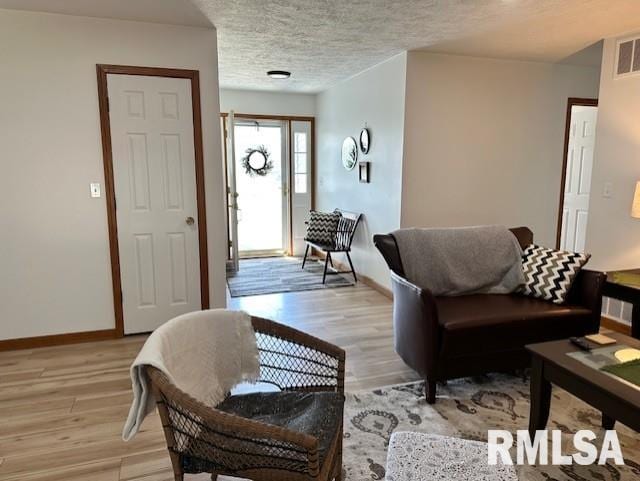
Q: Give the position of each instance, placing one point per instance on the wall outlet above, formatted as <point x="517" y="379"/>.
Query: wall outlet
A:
<point x="94" y="188"/>
<point x="607" y="191"/>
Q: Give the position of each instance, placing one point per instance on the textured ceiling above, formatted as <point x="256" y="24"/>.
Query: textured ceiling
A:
<point x="175" y="12"/>
<point x="324" y="41"/>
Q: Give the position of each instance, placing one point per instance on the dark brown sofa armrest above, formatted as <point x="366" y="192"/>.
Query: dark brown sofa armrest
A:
<point x="415" y="325"/>
<point x="388" y="247"/>
<point x="586" y="291"/>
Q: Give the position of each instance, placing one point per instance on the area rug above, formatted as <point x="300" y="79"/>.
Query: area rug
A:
<point x="281" y="274"/>
<point x="467" y="408"/>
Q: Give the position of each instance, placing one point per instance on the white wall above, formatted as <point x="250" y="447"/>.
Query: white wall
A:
<point x="376" y="97"/>
<point x="613" y="236"/>
<point x="484" y="140"/>
<point x="267" y="103"/>
<point x="54" y="255"/>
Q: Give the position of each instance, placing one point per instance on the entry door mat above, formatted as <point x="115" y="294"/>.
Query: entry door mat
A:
<point x="282" y="274"/>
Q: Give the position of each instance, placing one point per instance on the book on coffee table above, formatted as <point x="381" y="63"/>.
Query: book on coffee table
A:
<point x="600" y="339"/>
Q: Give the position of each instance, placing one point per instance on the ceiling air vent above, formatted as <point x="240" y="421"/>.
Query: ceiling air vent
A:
<point x="628" y="57"/>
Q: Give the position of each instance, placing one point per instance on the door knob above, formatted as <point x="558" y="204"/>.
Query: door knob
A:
<point x="190" y="220"/>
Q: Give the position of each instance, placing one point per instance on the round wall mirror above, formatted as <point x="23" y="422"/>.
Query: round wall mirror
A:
<point x="365" y="140"/>
<point x="349" y="153"/>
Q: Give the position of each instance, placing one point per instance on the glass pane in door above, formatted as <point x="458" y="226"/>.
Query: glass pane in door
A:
<point x="260" y="197"/>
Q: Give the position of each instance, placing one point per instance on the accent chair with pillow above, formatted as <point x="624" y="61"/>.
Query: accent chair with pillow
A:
<point x="455" y="334"/>
<point x="331" y="233"/>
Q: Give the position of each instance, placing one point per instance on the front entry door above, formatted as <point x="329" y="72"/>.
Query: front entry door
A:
<point x="153" y="154"/>
<point x="261" y="194"/>
<point x="577" y="187"/>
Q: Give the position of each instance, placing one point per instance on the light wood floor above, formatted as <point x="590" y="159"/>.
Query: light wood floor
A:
<point x="62" y="408"/>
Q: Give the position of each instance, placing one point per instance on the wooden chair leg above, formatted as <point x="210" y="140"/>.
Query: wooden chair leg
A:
<point x="430" y="388"/>
<point x="176" y="461"/>
<point x="352" y="269"/>
<point x="304" y="260"/>
<point x="337" y="470"/>
<point x="326" y="263"/>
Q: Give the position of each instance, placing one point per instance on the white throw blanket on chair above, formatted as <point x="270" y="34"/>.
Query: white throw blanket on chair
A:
<point x="203" y="353"/>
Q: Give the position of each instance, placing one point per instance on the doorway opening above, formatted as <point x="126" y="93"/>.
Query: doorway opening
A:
<point x="573" y="212"/>
<point x="269" y="175"/>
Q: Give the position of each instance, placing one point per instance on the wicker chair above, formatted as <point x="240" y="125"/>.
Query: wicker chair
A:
<point x="205" y="439"/>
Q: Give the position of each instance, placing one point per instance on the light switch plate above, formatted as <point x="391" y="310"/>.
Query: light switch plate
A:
<point x="607" y="191"/>
<point x="95" y="189"/>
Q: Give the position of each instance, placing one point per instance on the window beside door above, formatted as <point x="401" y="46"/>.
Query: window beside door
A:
<point x="301" y="164"/>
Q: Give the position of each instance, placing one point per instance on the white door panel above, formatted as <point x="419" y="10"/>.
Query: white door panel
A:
<point x="578" y="178"/>
<point x="154" y="174"/>
<point x="581" y="230"/>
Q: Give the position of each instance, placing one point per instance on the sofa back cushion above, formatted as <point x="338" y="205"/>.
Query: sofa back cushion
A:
<point x="549" y="273"/>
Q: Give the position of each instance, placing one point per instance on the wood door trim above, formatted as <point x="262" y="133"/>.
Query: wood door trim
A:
<point x="291" y="181"/>
<point x="102" y="71"/>
<point x="269" y="117"/>
<point x="312" y="183"/>
<point x="567" y="129"/>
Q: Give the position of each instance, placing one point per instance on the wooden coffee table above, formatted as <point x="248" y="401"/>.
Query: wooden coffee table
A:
<point x="617" y="400"/>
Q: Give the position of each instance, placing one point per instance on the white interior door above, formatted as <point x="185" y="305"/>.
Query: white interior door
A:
<point x="155" y="187"/>
<point x="575" y="212"/>
<point x="300" y="183"/>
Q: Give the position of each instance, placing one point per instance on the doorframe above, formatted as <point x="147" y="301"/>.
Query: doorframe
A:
<point x="571" y="102"/>
<point x="102" y="70"/>
<point x="312" y="161"/>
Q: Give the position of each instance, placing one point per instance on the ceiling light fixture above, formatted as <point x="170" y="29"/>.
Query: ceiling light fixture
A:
<point x="279" y="74"/>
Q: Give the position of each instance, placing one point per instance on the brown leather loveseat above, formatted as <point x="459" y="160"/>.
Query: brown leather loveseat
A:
<point x="449" y="337"/>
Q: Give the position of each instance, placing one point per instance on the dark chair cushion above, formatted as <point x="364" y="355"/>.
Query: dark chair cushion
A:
<point x="318" y="414"/>
<point x="482" y="322"/>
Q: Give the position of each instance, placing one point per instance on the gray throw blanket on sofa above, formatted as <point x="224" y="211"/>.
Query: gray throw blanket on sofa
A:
<point x="465" y="260"/>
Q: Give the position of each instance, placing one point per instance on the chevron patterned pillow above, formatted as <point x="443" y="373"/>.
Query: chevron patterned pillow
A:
<point x="322" y="227"/>
<point x="549" y="273"/>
